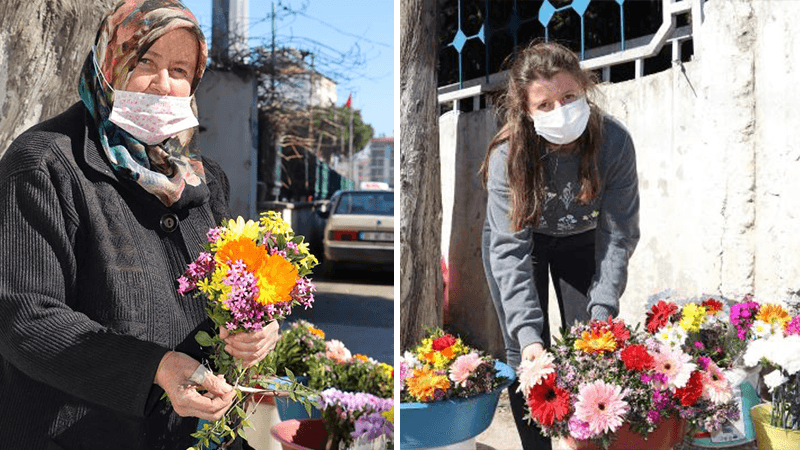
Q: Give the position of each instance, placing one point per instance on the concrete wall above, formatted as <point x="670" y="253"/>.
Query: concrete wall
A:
<point x="718" y="164"/>
<point x="228" y="119"/>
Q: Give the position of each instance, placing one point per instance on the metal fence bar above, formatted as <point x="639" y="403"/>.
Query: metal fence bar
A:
<point x="635" y="50"/>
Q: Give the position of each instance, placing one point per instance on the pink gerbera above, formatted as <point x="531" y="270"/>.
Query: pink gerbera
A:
<point x="602" y="406"/>
<point x="715" y="386"/>
<point x="675" y="364"/>
<point x="463" y="367"/>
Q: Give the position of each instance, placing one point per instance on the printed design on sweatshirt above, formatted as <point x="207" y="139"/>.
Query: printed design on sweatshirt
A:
<point x="567" y="196"/>
<point x="567" y="223"/>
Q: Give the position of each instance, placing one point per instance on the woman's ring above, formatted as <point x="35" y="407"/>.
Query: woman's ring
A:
<point x="199" y="375"/>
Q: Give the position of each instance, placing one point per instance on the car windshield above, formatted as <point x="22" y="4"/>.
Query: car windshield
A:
<point x="374" y="203"/>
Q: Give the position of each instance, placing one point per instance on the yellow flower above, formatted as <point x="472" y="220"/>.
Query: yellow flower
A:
<point x="424" y="383"/>
<point x="692" y="317"/>
<point x="774" y="314"/>
<point x="317" y="332"/>
<point x="389" y="415"/>
<point x="596" y="341"/>
<point x="239" y="228"/>
<point x="388" y="371"/>
<point x="273" y="222"/>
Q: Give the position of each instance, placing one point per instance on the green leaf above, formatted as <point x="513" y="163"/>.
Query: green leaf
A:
<point x="215" y="439"/>
<point x="203" y="339"/>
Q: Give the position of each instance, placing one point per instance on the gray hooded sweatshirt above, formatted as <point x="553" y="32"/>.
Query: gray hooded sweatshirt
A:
<point x="614" y="215"/>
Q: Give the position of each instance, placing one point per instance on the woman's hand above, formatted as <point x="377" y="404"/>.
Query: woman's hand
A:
<point x="173" y="375"/>
<point x="532" y="351"/>
<point x="251" y="347"/>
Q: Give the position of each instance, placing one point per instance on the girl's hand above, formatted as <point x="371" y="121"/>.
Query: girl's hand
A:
<point x="251" y="347"/>
<point x="532" y="351"/>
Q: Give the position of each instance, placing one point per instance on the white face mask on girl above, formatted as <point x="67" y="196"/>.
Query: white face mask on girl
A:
<point x="565" y="124"/>
<point x="147" y="117"/>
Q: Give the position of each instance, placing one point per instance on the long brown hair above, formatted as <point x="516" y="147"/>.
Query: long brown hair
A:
<point x="525" y="169"/>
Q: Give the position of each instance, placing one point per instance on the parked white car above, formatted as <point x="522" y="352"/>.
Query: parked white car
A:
<point x="360" y="228"/>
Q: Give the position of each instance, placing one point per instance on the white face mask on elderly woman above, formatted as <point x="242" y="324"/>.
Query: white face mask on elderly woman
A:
<point x="152" y="118"/>
<point x="147" y="117"/>
<point x="565" y="124"/>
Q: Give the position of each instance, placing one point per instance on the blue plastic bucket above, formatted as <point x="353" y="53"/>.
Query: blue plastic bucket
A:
<point x="739" y="431"/>
<point x="436" y="424"/>
<point x="289" y="409"/>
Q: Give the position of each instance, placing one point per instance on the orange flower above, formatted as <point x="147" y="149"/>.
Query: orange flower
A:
<point x="360" y="357"/>
<point x="424" y="384"/>
<point x="773" y="314"/>
<point x="276" y="276"/>
<point x="317" y="332"/>
<point x="596" y="341"/>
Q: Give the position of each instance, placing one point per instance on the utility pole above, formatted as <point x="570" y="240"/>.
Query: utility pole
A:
<point x="350" y="149"/>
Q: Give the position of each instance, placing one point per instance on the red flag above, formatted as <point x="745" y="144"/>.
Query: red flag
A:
<point x="349" y="103"/>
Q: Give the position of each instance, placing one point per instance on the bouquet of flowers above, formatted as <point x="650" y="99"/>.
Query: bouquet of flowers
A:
<point x="775" y="344"/>
<point x="356" y="418"/>
<point x="336" y="367"/>
<point x="602" y="375"/>
<point x="443" y="367"/>
<point x="700" y="326"/>
<point x="250" y="274"/>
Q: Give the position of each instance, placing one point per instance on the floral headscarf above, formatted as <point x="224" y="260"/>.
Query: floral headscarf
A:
<point x="165" y="170"/>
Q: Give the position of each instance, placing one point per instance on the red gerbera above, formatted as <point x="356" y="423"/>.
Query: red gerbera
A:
<point x="616" y="327"/>
<point x="443" y="342"/>
<point x="689" y="394"/>
<point x="548" y="402"/>
<point x="712" y="306"/>
<point x="660" y="315"/>
<point x="636" y="357"/>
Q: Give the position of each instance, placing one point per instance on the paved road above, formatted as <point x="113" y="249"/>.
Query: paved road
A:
<point x="357" y="308"/>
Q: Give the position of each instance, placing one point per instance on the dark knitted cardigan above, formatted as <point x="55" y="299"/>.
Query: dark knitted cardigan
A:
<point x="88" y="300"/>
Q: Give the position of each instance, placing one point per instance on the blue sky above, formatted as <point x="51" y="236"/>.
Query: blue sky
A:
<point x="361" y="29"/>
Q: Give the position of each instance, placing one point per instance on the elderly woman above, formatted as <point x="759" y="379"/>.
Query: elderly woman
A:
<point x="103" y="206"/>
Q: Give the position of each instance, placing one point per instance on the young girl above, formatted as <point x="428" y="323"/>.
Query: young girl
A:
<point x="562" y="198"/>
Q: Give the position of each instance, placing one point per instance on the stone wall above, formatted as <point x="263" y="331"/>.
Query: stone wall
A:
<point x="43" y="44"/>
<point x="718" y="164"/>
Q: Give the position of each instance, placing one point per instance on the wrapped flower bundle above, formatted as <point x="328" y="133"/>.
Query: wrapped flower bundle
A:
<point x="355" y="416"/>
<point x="249" y="273"/>
<point x="603" y="375"/>
<point x="443" y="367"/>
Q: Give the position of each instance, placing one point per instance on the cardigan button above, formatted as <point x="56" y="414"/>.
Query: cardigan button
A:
<point x="169" y="222"/>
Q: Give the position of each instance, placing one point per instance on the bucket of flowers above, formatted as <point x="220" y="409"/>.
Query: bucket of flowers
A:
<point x="350" y="420"/>
<point x="776" y="349"/>
<point x="711" y="329"/>
<point x="249" y="274"/>
<point x="605" y="385"/>
<point x="449" y="391"/>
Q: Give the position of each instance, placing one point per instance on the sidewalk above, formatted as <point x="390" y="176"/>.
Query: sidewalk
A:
<point x="502" y="433"/>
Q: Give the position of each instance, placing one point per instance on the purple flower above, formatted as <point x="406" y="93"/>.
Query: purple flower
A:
<point x="742" y="317"/>
<point x="372" y="426"/>
<point x="185" y="285"/>
<point x="793" y="327"/>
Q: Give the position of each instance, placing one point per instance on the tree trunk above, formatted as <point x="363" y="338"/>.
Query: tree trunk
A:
<point x="43" y="44"/>
<point x="420" y="195"/>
